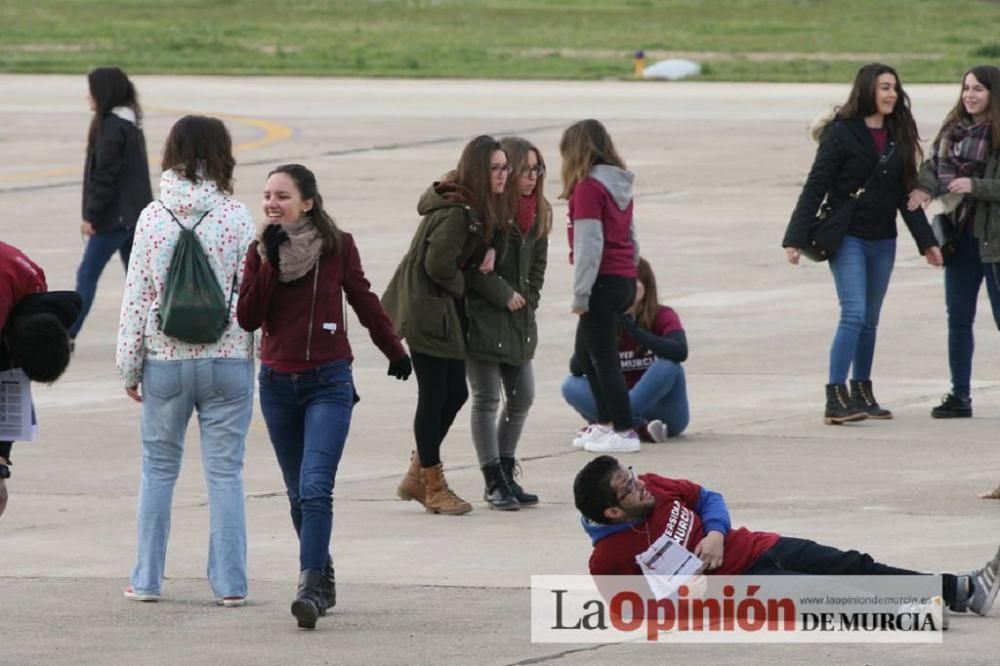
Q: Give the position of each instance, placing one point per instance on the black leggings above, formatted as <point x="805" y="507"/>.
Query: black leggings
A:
<point x="441" y="392"/>
<point x="597" y="348"/>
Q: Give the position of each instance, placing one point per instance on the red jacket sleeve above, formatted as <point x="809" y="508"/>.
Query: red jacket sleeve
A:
<point x="259" y="280"/>
<point x="367" y="305"/>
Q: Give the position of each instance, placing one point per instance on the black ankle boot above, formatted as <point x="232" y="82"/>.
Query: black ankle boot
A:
<point x="510" y="470"/>
<point x="839" y="406"/>
<point x="311" y="601"/>
<point x="330" y="586"/>
<point x="498" y="493"/>
<point x="861" y="394"/>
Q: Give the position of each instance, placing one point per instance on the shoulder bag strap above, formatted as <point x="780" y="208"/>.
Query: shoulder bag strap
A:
<point x="881" y="162"/>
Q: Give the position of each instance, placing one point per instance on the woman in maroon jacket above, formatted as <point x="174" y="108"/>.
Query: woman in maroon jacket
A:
<point x="294" y="281"/>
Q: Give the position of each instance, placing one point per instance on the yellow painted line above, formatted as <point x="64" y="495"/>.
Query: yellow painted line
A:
<point x="273" y="132"/>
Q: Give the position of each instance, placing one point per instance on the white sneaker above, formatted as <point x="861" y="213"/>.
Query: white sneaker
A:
<point x="615" y="442"/>
<point x="657" y="431"/>
<point x="140" y="596"/>
<point x="589" y="433"/>
<point x="986" y="586"/>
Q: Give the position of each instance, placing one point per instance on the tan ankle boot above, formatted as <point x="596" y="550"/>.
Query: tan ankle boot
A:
<point x="439" y="497"/>
<point x="412" y="485"/>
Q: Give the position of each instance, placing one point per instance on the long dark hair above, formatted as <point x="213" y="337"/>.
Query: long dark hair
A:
<point x="989" y="76"/>
<point x="199" y="147"/>
<point x="903" y="129"/>
<point x="473" y="176"/>
<point x="305" y="182"/>
<point x="110" y="87"/>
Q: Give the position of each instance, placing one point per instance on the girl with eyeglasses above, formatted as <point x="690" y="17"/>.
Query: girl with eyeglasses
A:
<point x="503" y="333"/>
<point x="425" y="300"/>
<point x="605" y="255"/>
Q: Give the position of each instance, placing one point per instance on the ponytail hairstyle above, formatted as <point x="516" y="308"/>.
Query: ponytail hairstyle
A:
<point x="305" y="182"/>
<point x="585" y="144"/>
<point x="110" y="87"/>
<point x="902" y="128"/>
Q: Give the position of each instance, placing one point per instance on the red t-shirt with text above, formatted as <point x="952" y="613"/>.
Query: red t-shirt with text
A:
<point x="633" y="364"/>
<point x="674" y="515"/>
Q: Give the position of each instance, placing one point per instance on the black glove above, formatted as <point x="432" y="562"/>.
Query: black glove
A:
<point x="274" y="235"/>
<point x="628" y="323"/>
<point x="400" y="368"/>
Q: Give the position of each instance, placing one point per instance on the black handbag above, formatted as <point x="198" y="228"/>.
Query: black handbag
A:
<point x="946" y="234"/>
<point x="830" y="227"/>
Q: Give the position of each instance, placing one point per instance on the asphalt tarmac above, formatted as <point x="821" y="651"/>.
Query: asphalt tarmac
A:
<point x="718" y="166"/>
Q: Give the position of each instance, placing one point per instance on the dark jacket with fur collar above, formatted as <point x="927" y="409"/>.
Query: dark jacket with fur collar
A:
<point x="844" y="161"/>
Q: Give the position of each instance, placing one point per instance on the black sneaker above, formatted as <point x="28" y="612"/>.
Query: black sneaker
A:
<point x="953" y="407"/>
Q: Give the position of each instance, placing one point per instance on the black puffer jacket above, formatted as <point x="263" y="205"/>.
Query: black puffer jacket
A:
<point x="116" y="176"/>
<point x="844" y="161"/>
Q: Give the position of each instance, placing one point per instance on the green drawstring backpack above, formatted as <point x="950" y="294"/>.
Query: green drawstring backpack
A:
<point x="193" y="308"/>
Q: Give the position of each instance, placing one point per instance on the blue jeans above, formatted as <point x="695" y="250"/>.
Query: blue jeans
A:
<point x="661" y="393"/>
<point x="861" y="271"/>
<point x="308" y="416"/>
<point x="96" y="255"/>
<point x="222" y="392"/>
<point x="963" y="275"/>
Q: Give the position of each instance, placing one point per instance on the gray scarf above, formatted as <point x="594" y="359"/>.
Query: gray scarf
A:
<point x="300" y="253"/>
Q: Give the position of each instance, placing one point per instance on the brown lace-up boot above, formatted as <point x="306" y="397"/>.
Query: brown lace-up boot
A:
<point x="412" y="485"/>
<point x="439" y="498"/>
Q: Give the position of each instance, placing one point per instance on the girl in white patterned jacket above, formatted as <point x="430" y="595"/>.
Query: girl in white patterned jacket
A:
<point x="178" y="377"/>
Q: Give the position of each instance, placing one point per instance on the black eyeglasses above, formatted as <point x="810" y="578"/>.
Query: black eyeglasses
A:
<point x="631" y="485"/>
<point x="537" y="171"/>
<point x="500" y="168"/>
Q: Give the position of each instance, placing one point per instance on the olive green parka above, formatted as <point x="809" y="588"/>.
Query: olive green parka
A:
<point x="424" y="296"/>
<point x="495" y="333"/>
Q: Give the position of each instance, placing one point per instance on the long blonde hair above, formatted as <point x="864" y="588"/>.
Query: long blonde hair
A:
<point x="517" y="150"/>
<point x="584" y="144"/>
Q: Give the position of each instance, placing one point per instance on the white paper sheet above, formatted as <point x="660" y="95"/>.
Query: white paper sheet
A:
<point x="16" y="422"/>
<point x="667" y="564"/>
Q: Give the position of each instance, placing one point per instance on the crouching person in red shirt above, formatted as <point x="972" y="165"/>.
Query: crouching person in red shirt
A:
<point x="624" y="513"/>
<point x="297" y="275"/>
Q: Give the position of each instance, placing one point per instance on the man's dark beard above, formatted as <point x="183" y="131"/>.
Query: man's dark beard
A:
<point x="639" y="513"/>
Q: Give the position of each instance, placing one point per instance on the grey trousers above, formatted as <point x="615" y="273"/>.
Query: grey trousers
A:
<point x="493" y="435"/>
